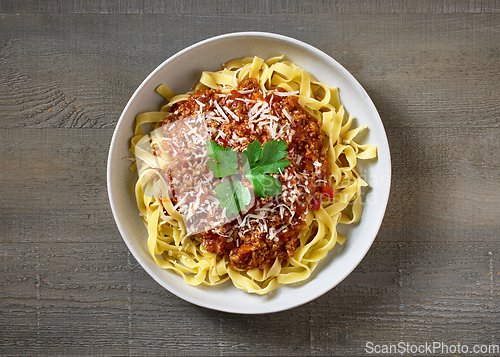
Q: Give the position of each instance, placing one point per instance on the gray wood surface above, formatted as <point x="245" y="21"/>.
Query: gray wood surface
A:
<point x="69" y="286"/>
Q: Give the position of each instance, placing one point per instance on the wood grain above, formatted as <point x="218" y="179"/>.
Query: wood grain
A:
<point x="59" y="178"/>
<point x="248" y="7"/>
<point x="69" y="286"/>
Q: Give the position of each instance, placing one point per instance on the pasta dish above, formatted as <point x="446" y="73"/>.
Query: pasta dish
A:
<point x="247" y="176"/>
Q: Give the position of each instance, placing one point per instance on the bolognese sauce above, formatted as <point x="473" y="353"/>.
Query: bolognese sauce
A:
<point x="269" y="229"/>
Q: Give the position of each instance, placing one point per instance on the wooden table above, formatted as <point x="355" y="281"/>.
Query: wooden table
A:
<point x="69" y="286"/>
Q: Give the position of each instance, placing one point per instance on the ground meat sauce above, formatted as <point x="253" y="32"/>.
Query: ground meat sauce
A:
<point x="269" y="230"/>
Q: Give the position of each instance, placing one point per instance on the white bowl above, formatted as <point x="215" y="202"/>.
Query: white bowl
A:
<point x="180" y="72"/>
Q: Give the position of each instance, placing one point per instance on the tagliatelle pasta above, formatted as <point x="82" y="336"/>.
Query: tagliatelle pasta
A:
<point x="295" y="235"/>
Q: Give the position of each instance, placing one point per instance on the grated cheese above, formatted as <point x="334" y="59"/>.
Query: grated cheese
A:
<point x="286" y="94"/>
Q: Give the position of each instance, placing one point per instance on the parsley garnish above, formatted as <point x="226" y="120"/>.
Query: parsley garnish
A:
<point x="225" y="160"/>
<point x="257" y="163"/>
<point x="233" y="196"/>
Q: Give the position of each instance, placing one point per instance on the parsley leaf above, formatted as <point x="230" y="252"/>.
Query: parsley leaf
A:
<point x="258" y="161"/>
<point x="253" y="151"/>
<point x="264" y="185"/>
<point x="233" y="196"/>
<point x="265" y="160"/>
<point x="268" y="159"/>
<point x="225" y="160"/>
<point x="212" y="149"/>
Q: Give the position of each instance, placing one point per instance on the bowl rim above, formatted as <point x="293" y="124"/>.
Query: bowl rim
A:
<point x="268" y="35"/>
